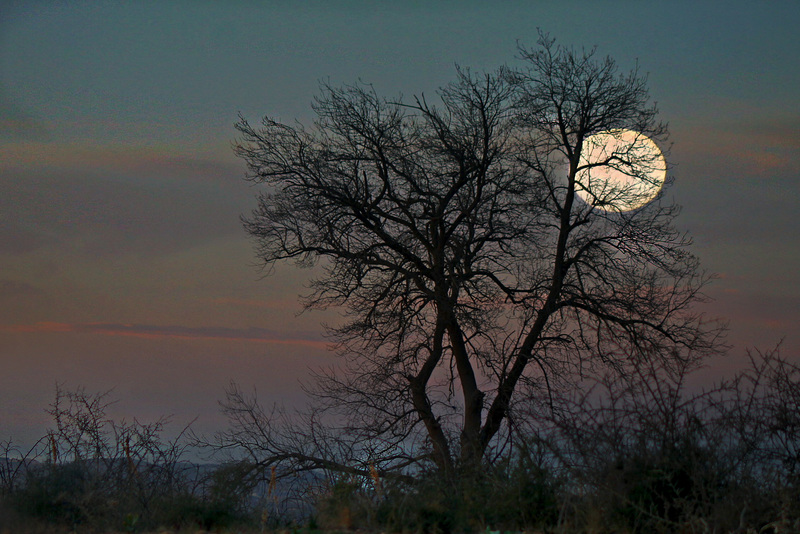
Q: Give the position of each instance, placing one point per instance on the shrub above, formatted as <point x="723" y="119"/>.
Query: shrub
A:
<point x="513" y="494"/>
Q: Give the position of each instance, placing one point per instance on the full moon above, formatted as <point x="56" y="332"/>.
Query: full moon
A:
<point x="620" y="170"/>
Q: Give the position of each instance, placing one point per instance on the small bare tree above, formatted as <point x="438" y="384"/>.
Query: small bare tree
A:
<point x="15" y="462"/>
<point x="659" y="456"/>
<point x="96" y="464"/>
<point x="470" y="271"/>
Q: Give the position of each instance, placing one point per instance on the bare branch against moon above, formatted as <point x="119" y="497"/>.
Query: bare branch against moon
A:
<point x="620" y="170"/>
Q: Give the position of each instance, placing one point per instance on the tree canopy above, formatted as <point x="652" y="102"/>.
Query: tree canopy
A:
<point x="471" y="272"/>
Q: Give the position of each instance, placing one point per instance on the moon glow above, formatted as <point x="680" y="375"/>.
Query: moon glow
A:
<point x="620" y="170"/>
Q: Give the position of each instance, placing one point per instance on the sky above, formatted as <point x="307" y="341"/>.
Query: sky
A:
<point x="123" y="262"/>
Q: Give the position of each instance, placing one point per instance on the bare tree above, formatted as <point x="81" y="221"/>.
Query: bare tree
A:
<point x="99" y="463"/>
<point x="470" y="272"/>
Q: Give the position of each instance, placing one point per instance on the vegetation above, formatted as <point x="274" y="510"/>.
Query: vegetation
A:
<point x="634" y="455"/>
<point x="93" y="474"/>
<point x="639" y="454"/>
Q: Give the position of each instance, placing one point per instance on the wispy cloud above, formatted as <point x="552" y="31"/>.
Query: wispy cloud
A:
<point x="758" y="146"/>
<point x="258" y="335"/>
<point x="277" y="304"/>
<point x="101" y="201"/>
<point x="15" y="288"/>
<point x="147" y="162"/>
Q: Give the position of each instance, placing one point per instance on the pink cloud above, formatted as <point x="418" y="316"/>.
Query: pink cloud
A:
<point x="758" y="146"/>
<point x="142" y="160"/>
<point x="258" y="335"/>
<point x="278" y="304"/>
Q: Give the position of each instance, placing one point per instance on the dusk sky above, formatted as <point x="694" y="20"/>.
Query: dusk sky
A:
<point x="123" y="263"/>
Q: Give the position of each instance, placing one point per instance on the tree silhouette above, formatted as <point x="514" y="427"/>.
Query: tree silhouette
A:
<point x="470" y="272"/>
